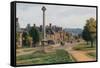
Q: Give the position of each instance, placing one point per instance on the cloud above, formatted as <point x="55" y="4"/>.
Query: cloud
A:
<point x="64" y="16"/>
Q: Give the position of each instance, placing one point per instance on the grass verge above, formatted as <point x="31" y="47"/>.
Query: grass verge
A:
<point x="59" y="56"/>
<point x="83" y="47"/>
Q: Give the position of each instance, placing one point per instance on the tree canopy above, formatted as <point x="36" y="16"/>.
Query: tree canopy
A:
<point x="34" y="33"/>
<point x="89" y="32"/>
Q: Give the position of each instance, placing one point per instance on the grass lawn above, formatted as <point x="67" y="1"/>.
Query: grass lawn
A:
<point x="59" y="56"/>
<point x="92" y="54"/>
<point x="84" y="46"/>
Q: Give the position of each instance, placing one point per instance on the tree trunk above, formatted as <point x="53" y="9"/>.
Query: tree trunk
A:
<point x="91" y="43"/>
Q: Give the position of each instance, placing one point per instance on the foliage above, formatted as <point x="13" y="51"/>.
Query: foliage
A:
<point x="25" y="39"/>
<point x="62" y="43"/>
<point x="86" y="34"/>
<point x="34" y="33"/>
<point x="89" y="32"/>
<point x="17" y="36"/>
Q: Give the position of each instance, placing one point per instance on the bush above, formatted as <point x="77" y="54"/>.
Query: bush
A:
<point x="62" y="43"/>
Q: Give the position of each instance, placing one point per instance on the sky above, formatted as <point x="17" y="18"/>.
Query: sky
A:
<point x="63" y="16"/>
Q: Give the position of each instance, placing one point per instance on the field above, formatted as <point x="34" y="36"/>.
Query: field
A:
<point x="74" y="52"/>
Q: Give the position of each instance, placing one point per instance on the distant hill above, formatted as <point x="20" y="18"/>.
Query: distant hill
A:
<point x="73" y="31"/>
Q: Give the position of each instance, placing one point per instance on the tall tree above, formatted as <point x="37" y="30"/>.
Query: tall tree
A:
<point x="86" y="35"/>
<point x="34" y="33"/>
<point x="89" y="32"/>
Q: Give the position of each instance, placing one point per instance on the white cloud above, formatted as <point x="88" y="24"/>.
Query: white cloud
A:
<point x="64" y="16"/>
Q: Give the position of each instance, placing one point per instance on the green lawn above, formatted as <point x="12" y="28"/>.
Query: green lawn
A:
<point x="59" y="56"/>
<point x="84" y="46"/>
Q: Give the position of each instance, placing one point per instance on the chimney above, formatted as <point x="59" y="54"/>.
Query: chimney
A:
<point x="50" y="25"/>
<point x="41" y="27"/>
<point x="34" y="25"/>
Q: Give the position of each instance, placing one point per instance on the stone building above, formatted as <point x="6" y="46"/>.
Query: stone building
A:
<point x="54" y="33"/>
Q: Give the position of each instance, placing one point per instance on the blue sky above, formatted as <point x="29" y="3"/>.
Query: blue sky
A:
<point x="64" y="16"/>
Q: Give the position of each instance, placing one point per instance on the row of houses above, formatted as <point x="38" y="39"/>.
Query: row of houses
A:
<point x="53" y="33"/>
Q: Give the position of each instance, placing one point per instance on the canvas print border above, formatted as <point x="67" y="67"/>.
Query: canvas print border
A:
<point x="13" y="31"/>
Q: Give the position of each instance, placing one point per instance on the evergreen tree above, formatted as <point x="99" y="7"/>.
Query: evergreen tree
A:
<point x="34" y="33"/>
